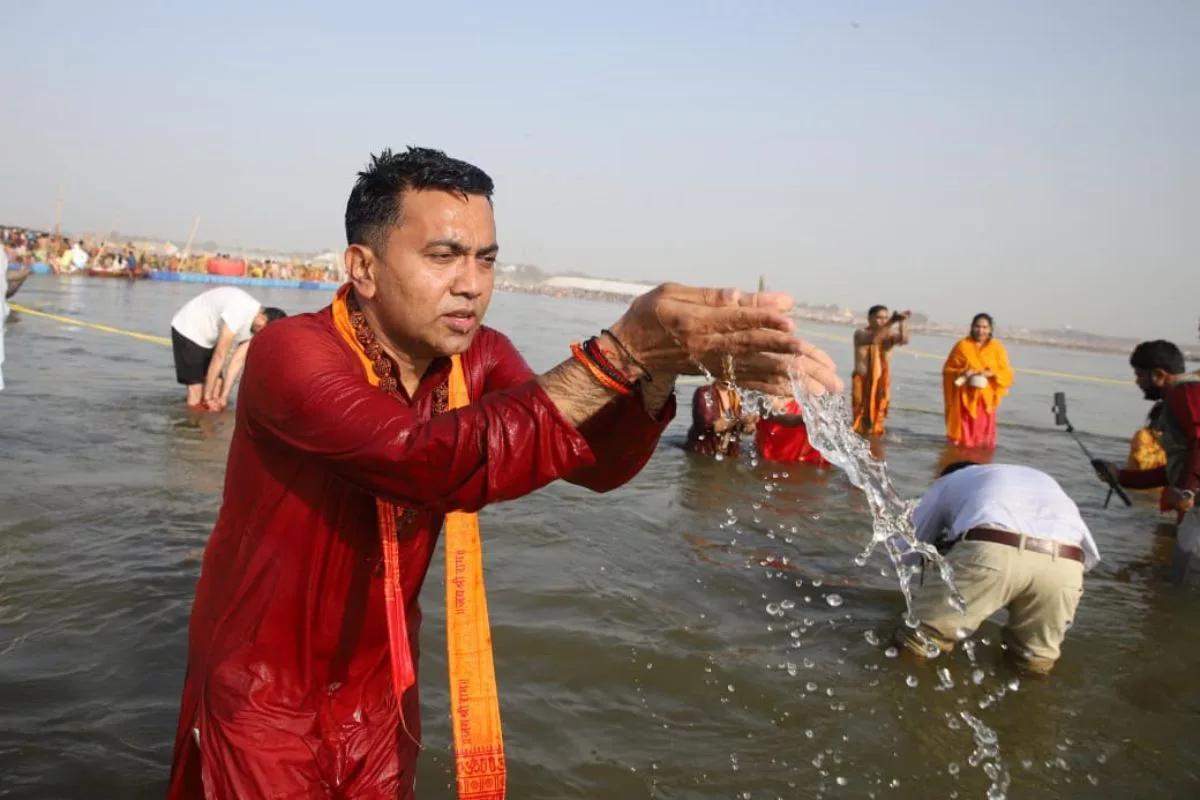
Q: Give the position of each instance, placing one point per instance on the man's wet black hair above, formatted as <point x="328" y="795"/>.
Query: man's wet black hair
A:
<point x="1158" y="354"/>
<point x="873" y="310"/>
<point x="274" y="313"/>
<point x="375" y="201"/>
<point x="956" y="466"/>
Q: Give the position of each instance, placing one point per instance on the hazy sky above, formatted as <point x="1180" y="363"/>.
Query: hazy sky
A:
<point x="1038" y="160"/>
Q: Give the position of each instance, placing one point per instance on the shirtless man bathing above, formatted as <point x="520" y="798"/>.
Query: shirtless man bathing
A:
<point x="872" y="382"/>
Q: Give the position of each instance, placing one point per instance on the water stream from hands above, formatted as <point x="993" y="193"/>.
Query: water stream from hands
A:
<point x="830" y="431"/>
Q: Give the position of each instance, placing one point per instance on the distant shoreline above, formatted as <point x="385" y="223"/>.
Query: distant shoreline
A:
<point x="801" y="314"/>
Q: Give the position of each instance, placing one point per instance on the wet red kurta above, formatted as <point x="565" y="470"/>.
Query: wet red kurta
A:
<point x="288" y="691"/>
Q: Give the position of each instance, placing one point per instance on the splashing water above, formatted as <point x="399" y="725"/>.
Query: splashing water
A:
<point x="987" y="752"/>
<point x="830" y="432"/>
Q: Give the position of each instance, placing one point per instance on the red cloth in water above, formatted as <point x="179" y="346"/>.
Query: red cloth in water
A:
<point x="288" y="679"/>
<point x="980" y="430"/>
<point x="776" y="442"/>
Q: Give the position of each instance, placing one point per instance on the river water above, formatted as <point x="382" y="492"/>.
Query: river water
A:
<point x="693" y="635"/>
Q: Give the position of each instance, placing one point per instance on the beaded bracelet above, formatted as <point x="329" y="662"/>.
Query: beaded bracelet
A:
<point x="646" y="376"/>
<point x="594" y="351"/>
<point x="601" y="370"/>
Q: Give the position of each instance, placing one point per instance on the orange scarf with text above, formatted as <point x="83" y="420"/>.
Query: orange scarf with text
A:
<point x="474" y="699"/>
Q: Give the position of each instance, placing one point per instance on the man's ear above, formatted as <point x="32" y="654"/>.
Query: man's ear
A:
<point x="361" y="269"/>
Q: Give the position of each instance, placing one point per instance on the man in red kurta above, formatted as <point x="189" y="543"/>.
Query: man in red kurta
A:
<point x="289" y="690"/>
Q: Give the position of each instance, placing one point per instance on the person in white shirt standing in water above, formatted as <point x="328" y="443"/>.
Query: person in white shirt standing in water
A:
<point x="1017" y="542"/>
<point x="203" y="334"/>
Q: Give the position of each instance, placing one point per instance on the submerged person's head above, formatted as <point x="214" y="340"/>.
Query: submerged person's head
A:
<point x="1155" y="366"/>
<point x="877" y="317"/>
<point x="981" y="327"/>
<point x="266" y="314"/>
<point x="421" y="249"/>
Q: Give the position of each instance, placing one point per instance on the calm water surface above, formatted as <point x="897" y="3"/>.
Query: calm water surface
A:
<point x="635" y="651"/>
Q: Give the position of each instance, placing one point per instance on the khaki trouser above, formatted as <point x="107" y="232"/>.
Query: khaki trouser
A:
<point x="1041" y="593"/>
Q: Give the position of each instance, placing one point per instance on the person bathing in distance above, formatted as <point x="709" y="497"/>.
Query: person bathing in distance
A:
<point x="208" y="330"/>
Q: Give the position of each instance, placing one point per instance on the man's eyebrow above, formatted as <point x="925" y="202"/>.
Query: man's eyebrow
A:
<point x="452" y="244"/>
<point x="458" y="248"/>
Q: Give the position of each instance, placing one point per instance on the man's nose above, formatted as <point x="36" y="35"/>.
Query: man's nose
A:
<point x="469" y="279"/>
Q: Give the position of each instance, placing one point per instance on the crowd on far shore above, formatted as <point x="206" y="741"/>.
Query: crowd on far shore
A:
<point x="25" y="247"/>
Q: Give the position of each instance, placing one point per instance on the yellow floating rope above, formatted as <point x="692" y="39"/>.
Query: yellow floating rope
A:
<point x="145" y="337"/>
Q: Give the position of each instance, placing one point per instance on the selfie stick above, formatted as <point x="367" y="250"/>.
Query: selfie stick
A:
<point x="1060" y="418"/>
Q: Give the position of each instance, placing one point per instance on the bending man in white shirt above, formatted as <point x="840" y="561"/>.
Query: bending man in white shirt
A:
<point x="1017" y="542"/>
<point x="203" y="334"/>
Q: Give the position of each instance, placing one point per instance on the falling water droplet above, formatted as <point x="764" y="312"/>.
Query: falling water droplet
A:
<point x="912" y="681"/>
<point x="834" y="600"/>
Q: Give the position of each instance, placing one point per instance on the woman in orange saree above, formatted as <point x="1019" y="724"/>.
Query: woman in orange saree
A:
<point x="975" y="378"/>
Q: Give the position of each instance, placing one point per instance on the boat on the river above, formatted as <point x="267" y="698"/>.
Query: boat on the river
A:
<point x="137" y="273"/>
<point x="227" y="267"/>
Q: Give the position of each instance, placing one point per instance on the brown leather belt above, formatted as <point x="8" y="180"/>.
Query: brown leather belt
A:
<point x="1044" y="546"/>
